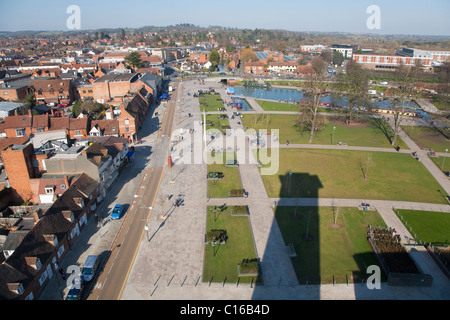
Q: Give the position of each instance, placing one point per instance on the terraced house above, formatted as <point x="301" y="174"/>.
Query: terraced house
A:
<point x="28" y="266"/>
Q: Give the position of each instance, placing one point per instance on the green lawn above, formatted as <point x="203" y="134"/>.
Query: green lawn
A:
<point x="221" y="261"/>
<point x="368" y="133"/>
<point x="427" y="226"/>
<point x="426" y="137"/>
<point x="442" y="163"/>
<point x="338" y="174"/>
<point x="340" y="250"/>
<point x="231" y="180"/>
<point x="210" y="102"/>
<point x="215" y="122"/>
<point x="277" y="106"/>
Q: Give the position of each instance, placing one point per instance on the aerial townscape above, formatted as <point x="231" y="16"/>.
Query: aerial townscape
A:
<point x="183" y="162"/>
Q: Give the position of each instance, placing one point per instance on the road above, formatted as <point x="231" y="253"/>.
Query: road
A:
<point x="123" y="251"/>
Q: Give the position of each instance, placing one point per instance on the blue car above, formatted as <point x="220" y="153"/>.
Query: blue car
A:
<point x="117" y="212"/>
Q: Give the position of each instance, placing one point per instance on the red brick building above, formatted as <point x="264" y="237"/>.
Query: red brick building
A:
<point x="51" y="91"/>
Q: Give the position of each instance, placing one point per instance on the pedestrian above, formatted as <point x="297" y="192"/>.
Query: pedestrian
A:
<point x="287" y="142"/>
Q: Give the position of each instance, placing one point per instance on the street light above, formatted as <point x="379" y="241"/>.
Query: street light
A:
<point x="332" y="139"/>
<point x="442" y="168"/>
<point x="289" y="183"/>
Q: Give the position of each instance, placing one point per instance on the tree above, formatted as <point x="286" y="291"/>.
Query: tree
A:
<point x="338" y="58"/>
<point x="248" y="55"/>
<point x="407" y="76"/>
<point x="354" y="85"/>
<point x="134" y="60"/>
<point x="314" y="85"/>
<point x="214" y="58"/>
<point x="122" y="34"/>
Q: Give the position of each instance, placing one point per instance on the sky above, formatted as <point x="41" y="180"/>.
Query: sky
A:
<point x="415" y="17"/>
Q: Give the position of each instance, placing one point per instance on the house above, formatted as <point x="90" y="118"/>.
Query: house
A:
<point x="112" y="88"/>
<point x="79" y="127"/>
<point x="91" y="157"/>
<point x="256" y="68"/>
<point x="101" y="128"/>
<point x="51" y="91"/>
<point x="28" y="269"/>
<point x="132" y="115"/>
<point x="18" y="125"/>
<point x="52" y="186"/>
<point x="12" y="108"/>
<point x="282" y="67"/>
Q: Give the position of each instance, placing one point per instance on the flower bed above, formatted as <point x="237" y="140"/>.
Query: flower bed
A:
<point x="236" y="193"/>
<point x="248" y="267"/>
<point x="393" y="254"/>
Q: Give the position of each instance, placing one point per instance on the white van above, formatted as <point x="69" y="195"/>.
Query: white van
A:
<point x="89" y="268"/>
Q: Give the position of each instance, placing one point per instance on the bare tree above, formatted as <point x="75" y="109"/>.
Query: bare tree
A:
<point x="354" y="85"/>
<point x="364" y="164"/>
<point x="314" y="85"/>
<point x="407" y="77"/>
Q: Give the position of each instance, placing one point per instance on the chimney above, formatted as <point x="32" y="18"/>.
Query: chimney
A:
<point x="66" y="182"/>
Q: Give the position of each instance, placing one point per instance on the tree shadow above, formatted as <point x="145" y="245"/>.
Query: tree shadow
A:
<point x="383" y="126"/>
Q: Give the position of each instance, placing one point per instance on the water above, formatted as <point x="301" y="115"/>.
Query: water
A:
<point x="245" y="105"/>
<point x="294" y="96"/>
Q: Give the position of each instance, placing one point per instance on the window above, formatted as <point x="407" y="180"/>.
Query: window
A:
<point x="43" y="278"/>
<point x="20" y="132"/>
<point x="63" y="186"/>
<point x="40" y="129"/>
<point x="127" y="122"/>
<point x="5" y="93"/>
<point x="77" y="132"/>
<point x="49" y="190"/>
<point x="60" y="251"/>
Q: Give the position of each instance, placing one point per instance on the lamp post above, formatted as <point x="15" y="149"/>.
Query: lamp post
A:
<point x="289" y="184"/>
<point x="332" y="139"/>
<point x="442" y="168"/>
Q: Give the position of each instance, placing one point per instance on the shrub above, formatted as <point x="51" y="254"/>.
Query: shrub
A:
<point x="249" y="266"/>
<point x="236" y="192"/>
<point x="216" y="236"/>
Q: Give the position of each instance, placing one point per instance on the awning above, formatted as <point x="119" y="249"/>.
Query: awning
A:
<point x="130" y="154"/>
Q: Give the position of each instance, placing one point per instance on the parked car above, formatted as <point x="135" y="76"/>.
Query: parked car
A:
<point x="89" y="268"/>
<point x="117" y="212"/>
<point x="74" y="293"/>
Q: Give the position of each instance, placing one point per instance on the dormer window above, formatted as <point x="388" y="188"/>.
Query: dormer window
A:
<point x="49" y="189"/>
<point x="79" y="202"/>
<point x="33" y="262"/>
<point x="16" y="287"/>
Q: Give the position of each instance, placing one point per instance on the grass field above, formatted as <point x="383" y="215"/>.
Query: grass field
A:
<point x="336" y="251"/>
<point x="442" y="163"/>
<point x="427" y="226"/>
<point x="368" y="133"/>
<point x="427" y="137"/>
<point x="339" y="174"/>
<point x="216" y="122"/>
<point x="221" y="261"/>
<point x="210" y="102"/>
<point x="231" y="180"/>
